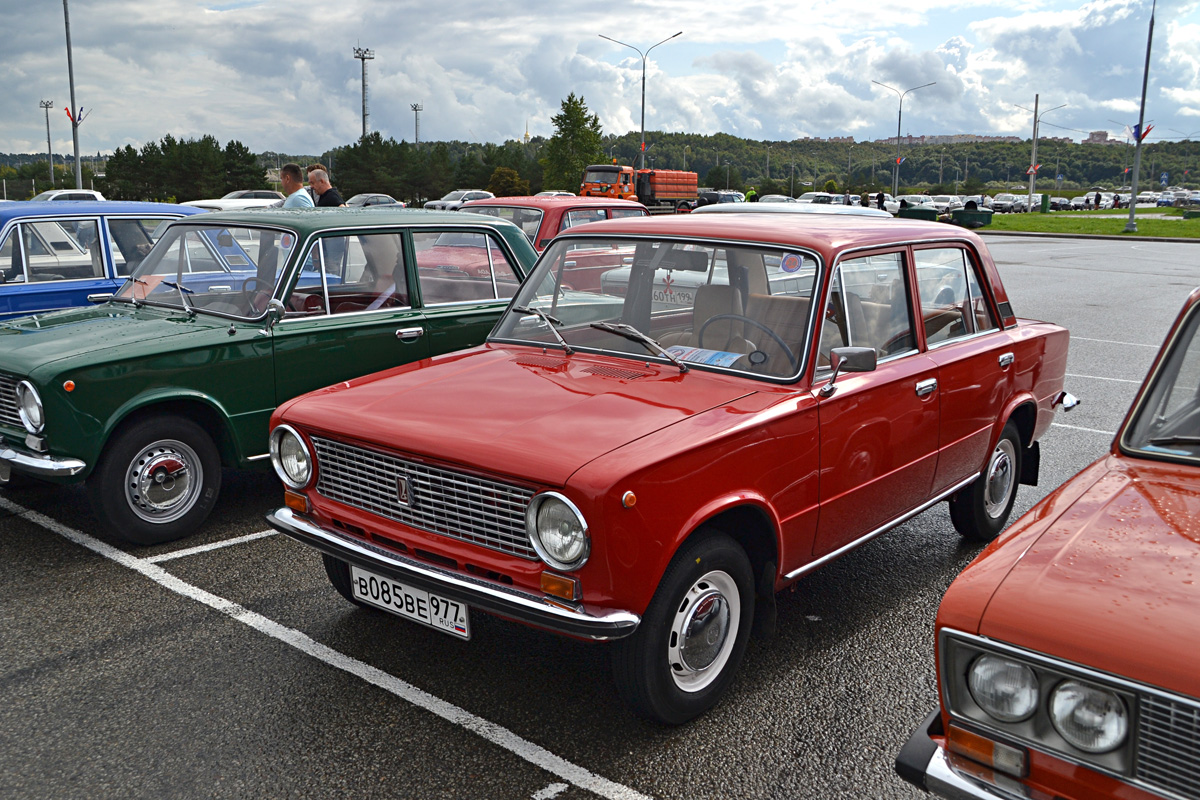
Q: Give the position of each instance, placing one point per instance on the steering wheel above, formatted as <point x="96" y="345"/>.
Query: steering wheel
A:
<point x="787" y="351"/>
<point x="253" y="296"/>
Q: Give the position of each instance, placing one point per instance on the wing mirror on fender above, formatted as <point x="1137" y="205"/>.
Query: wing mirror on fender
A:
<point x="848" y="359"/>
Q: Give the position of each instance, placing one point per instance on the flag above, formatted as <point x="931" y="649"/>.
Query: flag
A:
<point x="1146" y="132"/>
<point x="69" y="115"/>
<point x="1127" y="170"/>
<point x="901" y="160"/>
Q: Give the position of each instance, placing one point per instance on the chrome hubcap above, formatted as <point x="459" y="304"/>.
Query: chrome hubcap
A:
<point x="1000" y="479"/>
<point x="164" y="481"/>
<point x="703" y="631"/>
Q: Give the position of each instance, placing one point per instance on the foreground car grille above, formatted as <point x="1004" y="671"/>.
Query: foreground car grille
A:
<point x="1168" y="746"/>
<point x="8" y="401"/>
<point x="443" y="501"/>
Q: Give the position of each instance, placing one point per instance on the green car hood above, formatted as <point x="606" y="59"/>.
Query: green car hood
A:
<point x="27" y="343"/>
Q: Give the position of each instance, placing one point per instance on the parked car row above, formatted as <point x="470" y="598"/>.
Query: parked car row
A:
<point x="684" y="416"/>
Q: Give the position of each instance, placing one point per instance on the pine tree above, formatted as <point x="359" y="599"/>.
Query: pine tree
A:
<point x="574" y="145"/>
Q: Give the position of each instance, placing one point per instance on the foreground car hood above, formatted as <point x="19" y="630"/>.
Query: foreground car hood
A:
<point x="513" y="411"/>
<point x="30" y="342"/>
<point x="1114" y="584"/>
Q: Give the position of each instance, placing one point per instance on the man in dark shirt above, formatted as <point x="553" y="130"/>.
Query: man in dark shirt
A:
<point x="323" y="191"/>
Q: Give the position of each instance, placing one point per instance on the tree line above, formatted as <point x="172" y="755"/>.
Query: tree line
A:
<point x="190" y="169"/>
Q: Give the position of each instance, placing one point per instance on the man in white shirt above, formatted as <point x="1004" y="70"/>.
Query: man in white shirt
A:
<point x="293" y="184"/>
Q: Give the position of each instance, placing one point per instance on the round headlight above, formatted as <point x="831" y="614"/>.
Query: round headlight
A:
<point x="290" y="457"/>
<point x="1006" y="690"/>
<point x="558" y="532"/>
<point x="29" y="407"/>
<point x="1090" y="718"/>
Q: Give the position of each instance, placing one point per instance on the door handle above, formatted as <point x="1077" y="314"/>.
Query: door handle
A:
<point x="409" y="334"/>
<point x="926" y="387"/>
<point x="1007" y="359"/>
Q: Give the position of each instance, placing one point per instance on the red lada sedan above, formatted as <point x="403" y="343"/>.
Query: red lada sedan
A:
<point x="1067" y="651"/>
<point x="649" y="466"/>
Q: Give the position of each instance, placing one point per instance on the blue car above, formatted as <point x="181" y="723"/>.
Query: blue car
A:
<point x="60" y="255"/>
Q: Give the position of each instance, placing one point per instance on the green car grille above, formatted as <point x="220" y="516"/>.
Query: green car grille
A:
<point x="8" y="402"/>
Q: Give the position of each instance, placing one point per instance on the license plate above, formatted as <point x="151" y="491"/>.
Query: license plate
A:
<point x="449" y="616"/>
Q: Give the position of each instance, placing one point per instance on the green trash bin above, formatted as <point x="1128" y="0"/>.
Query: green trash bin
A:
<point x="972" y="218"/>
<point x="919" y="212"/>
<point x="1045" y="209"/>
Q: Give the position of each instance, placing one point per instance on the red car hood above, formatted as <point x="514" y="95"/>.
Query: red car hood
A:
<point x="1115" y="588"/>
<point x="513" y="411"/>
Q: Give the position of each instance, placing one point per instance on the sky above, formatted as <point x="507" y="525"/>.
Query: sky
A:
<point x="282" y="76"/>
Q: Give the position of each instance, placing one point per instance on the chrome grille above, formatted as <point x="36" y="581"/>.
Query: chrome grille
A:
<point x="1168" y="746"/>
<point x="447" y="502"/>
<point x="8" y="401"/>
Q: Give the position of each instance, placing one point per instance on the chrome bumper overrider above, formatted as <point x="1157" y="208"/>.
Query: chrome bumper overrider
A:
<point x="37" y="464"/>
<point x="480" y="594"/>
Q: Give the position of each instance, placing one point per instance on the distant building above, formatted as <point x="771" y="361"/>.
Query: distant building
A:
<point x="1101" y="137"/>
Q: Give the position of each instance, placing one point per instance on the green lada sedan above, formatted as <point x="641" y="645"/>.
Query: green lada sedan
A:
<point x="147" y="396"/>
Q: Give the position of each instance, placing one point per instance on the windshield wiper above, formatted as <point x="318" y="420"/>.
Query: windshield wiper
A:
<point x="553" y="322"/>
<point x="630" y="332"/>
<point x="1175" y="439"/>
<point x="183" y="297"/>
<point x="133" y="298"/>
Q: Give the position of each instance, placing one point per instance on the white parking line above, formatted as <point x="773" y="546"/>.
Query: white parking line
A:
<point x="1077" y="428"/>
<point x="1098" y="378"/>
<point x="522" y="748"/>
<point x="204" y="548"/>
<point x="1110" y="341"/>
<point x="551" y="791"/>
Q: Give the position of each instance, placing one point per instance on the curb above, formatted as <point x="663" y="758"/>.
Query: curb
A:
<point x="1129" y="237"/>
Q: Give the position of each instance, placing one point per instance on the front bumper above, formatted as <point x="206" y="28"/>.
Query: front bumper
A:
<point x="40" y="465"/>
<point x="599" y="624"/>
<point x="927" y="765"/>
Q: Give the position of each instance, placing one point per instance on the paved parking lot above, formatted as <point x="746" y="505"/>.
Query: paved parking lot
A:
<point x="226" y="666"/>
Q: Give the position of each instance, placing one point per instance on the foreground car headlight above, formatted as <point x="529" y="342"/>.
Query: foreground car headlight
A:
<point x="290" y="457"/>
<point x="1090" y="718"/>
<point x="557" y="531"/>
<point x="1006" y="690"/>
<point x="29" y="407"/>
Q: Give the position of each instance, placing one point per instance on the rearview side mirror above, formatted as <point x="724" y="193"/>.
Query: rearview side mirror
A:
<point x="848" y="359"/>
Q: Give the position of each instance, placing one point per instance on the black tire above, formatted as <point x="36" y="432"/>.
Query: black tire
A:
<point x="980" y="511"/>
<point x="156" y="481"/>
<point x="339" y="575"/>
<point x="711" y="574"/>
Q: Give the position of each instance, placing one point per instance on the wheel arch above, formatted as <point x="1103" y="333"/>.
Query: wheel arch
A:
<point x="1023" y="414"/>
<point x="198" y="407"/>
<point x="750" y="523"/>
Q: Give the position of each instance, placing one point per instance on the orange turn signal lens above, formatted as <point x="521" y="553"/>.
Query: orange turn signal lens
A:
<point x="629" y="499"/>
<point x="1001" y="757"/>
<point x="560" y="586"/>
<point x="69" y="386"/>
<point x="295" y="501"/>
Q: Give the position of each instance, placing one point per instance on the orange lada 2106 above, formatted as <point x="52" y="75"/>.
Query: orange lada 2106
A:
<point x="740" y="401"/>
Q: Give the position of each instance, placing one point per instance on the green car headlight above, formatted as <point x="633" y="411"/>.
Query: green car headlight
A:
<point x="29" y="407"/>
<point x="558" y="531"/>
<point x="290" y="457"/>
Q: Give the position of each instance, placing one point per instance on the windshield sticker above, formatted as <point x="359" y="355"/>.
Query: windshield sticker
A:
<point x="791" y="263"/>
<point x="698" y="355"/>
<point x="285" y="241"/>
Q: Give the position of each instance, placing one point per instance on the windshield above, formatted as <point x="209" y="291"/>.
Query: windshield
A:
<point x="454" y="196"/>
<point x="738" y="308"/>
<point x="1166" y="423"/>
<point x="600" y="176"/>
<point x="221" y="269"/>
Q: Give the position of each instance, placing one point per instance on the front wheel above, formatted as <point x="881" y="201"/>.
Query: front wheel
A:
<point x="338" y="572"/>
<point x="980" y="511"/>
<point x="683" y="656"/>
<point x="157" y="480"/>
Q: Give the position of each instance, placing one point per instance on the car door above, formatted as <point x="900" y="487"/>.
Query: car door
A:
<point x="464" y="279"/>
<point x="879" y="430"/>
<point x="347" y="313"/>
<point x="972" y="354"/>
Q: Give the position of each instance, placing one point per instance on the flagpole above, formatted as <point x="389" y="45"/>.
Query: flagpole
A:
<point x="1131" y="225"/>
<point x="75" y="115"/>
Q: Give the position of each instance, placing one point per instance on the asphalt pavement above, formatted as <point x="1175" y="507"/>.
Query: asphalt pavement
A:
<point x="225" y="666"/>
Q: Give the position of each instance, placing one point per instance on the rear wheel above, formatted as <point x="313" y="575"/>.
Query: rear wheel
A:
<point x="683" y="656"/>
<point x="157" y="480"/>
<point x="980" y="511"/>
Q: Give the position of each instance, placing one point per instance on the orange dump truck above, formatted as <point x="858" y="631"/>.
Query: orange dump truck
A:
<point x="657" y="189"/>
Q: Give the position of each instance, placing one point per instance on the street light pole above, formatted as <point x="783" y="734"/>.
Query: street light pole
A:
<point x="46" y="106"/>
<point x="768" y="162"/>
<point x="643" y="55"/>
<point x="75" y="115"/>
<point x="899" y="117"/>
<point x="1131" y="225"/>
<point x="1037" y="120"/>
